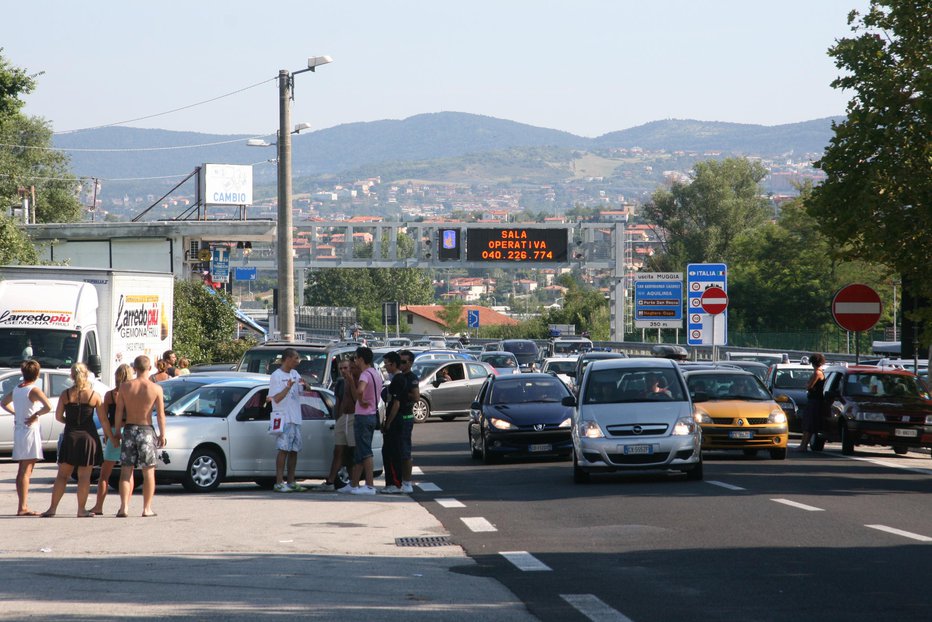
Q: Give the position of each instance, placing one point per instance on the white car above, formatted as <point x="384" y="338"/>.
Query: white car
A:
<point x="52" y="382"/>
<point x="559" y="366"/>
<point x="219" y="432"/>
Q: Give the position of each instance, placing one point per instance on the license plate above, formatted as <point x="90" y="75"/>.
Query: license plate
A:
<point x="907" y="433"/>
<point x="741" y="434"/>
<point x="638" y="449"/>
<point x="540" y="447"/>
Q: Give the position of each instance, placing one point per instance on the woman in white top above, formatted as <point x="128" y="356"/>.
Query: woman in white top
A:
<point x="29" y="403"/>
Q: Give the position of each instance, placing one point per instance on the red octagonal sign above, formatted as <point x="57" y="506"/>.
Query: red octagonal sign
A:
<point x="714" y="300"/>
<point x="856" y="307"/>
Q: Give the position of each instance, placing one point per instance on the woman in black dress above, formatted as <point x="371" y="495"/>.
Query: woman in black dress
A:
<point x="80" y="445"/>
<point x="812" y="416"/>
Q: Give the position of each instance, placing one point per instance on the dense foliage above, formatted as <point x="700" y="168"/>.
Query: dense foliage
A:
<point x="205" y="325"/>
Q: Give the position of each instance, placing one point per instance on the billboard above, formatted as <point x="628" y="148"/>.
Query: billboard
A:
<point x="226" y="184"/>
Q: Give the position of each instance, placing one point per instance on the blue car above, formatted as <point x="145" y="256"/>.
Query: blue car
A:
<point x="520" y="414"/>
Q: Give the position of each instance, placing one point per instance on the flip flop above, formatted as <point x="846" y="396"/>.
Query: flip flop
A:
<point x="149" y="515"/>
<point x="121" y="515"/>
<point x="27" y="513"/>
<point x="87" y="515"/>
<point x="47" y="515"/>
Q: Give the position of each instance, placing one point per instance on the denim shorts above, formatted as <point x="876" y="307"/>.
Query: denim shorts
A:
<point x="364" y="428"/>
<point x="407" y="428"/>
<point x="290" y="438"/>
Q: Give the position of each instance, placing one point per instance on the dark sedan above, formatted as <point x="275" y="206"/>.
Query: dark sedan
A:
<point x="520" y="414"/>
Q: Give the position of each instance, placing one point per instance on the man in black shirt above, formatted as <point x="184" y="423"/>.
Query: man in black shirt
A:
<point x="412" y="384"/>
<point x="392" y="427"/>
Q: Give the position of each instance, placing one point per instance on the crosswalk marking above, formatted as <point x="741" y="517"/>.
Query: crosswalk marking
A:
<point x="524" y="561"/>
<point x="450" y="503"/>
<point x="477" y="523"/>
<point x="594" y="608"/>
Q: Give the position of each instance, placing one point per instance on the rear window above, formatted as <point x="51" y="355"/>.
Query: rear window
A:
<point x="500" y="360"/>
<point x="266" y="361"/>
<point x="615" y="386"/>
<point x="725" y="386"/>
<point x="792" y="378"/>
<point x="886" y="385"/>
<point x="561" y="367"/>
<point x="520" y="347"/>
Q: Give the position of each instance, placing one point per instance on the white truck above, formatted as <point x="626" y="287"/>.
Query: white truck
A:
<point x="101" y="317"/>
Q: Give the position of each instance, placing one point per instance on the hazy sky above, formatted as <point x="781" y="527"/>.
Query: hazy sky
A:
<point x="584" y="66"/>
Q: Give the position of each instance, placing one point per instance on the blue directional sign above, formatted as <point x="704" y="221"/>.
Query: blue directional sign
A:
<point x="472" y="318"/>
<point x="244" y="274"/>
<point x="220" y="264"/>
<point x="700" y="326"/>
<point x="658" y="300"/>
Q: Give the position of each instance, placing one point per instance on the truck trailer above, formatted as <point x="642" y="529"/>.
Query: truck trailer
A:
<point x="101" y="317"/>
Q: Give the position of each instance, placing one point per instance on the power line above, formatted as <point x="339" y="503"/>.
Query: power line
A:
<point x="159" y="114"/>
<point x="80" y="177"/>
<point x="132" y="149"/>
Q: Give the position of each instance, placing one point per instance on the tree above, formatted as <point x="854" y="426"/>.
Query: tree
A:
<point x="876" y="201"/>
<point x="15" y="245"/>
<point x="583" y="306"/>
<point x="700" y="220"/>
<point x="204" y="324"/>
<point x="453" y="314"/>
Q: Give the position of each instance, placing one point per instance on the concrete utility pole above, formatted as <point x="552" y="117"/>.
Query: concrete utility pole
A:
<point x="285" y="251"/>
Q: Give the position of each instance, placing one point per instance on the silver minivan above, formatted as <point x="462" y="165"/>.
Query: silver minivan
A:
<point x="634" y="414"/>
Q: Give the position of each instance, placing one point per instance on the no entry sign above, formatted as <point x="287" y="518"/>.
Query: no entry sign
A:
<point x="856" y="307"/>
<point x="714" y="300"/>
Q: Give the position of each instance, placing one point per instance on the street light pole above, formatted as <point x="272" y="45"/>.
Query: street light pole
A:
<point x="285" y="250"/>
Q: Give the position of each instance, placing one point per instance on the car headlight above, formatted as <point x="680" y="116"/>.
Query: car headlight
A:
<point x="501" y="424"/>
<point x="566" y="423"/>
<point x="777" y="416"/>
<point x="702" y="417"/>
<point x="685" y="426"/>
<point x="868" y="415"/>
<point x="590" y="429"/>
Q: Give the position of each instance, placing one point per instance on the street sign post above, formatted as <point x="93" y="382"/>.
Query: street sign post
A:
<point x="658" y="300"/>
<point x="856" y="308"/>
<point x="702" y="328"/>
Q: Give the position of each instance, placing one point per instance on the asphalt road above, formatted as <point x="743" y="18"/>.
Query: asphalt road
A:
<point x="818" y="536"/>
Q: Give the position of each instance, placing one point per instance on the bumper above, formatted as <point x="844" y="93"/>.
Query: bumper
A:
<point x="613" y="454"/>
<point x="906" y="435"/>
<point x="732" y="437"/>
<point x="531" y="443"/>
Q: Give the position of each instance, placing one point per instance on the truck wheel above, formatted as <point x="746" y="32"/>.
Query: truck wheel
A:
<point x="205" y="471"/>
<point x="421" y="410"/>
<point x="847" y="441"/>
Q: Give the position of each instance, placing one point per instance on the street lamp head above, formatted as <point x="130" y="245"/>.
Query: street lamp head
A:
<point x="300" y="127"/>
<point x="316" y="61"/>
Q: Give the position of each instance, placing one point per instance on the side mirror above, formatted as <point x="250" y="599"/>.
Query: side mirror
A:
<point x="94" y="364"/>
<point x="475" y="406"/>
<point x="568" y="400"/>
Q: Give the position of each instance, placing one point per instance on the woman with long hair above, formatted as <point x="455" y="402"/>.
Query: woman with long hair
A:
<point x="80" y="445"/>
<point x="106" y="413"/>
<point x="812" y="417"/>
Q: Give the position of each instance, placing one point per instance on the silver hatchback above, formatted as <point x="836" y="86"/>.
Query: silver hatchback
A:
<point x="634" y="414"/>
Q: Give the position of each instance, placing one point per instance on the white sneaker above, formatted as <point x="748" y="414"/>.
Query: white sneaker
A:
<point x="283" y="487"/>
<point x="347" y="490"/>
<point x="363" y="490"/>
<point x="407" y="488"/>
<point x="390" y="490"/>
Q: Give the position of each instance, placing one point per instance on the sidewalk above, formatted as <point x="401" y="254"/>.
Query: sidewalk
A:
<point x="239" y="553"/>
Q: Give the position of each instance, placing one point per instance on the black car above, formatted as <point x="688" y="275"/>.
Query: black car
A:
<point x="520" y="414"/>
<point x="524" y="350"/>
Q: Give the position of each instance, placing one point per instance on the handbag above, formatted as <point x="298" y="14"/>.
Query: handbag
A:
<point x="276" y="423"/>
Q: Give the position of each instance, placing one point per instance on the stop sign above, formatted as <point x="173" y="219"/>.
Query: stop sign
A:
<point x="856" y="307"/>
<point x="714" y="300"/>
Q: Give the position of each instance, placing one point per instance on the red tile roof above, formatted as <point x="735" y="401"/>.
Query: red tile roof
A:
<point x="487" y="317"/>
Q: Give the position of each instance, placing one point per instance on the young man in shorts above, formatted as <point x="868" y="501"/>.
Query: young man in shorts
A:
<point x="284" y="385"/>
<point x="344" y="436"/>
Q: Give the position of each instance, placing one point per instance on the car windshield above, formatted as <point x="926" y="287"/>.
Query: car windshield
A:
<point x="500" y="360"/>
<point x="615" y="386"/>
<point x="727" y="386"/>
<point x="175" y="389"/>
<point x="526" y="391"/>
<point x="52" y="348"/>
<point x="561" y="367"/>
<point x="566" y="347"/>
<point x="886" y="385"/>
<point x="792" y="378"/>
<point x="208" y="401"/>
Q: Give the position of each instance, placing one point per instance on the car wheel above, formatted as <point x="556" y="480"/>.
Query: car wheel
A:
<point x="205" y="471"/>
<point x="900" y="450"/>
<point x="265" y="483"/>
<point x="847" y="441"/>
<point x="421" y="411"/>
<point x="487" y="456"/>
<point x="750" y="453"/>
<point x="817" y="443"/>
<point x="580" y="475"/>
<point x="778" y="454"/>
<point x="695" y="473"/>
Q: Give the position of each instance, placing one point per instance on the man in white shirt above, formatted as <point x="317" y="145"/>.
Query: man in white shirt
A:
<point x="284" y="387"/>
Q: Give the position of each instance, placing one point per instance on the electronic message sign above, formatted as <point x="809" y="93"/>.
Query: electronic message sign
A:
<point x="520" y="244"/>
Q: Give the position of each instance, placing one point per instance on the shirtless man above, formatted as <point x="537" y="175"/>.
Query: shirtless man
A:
<point x="134" y="405"/>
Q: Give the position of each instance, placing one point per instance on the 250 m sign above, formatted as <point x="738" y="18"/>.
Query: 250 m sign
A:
<point x="517" y="244"/>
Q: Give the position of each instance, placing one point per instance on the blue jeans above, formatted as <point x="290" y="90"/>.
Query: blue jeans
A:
<point x="364" y="428"/>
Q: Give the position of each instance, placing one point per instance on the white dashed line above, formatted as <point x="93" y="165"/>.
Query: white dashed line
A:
<point x="416" y="471"/>
<point x="428" y="487"/>
<point x="724" y="485"/>
<point x="593" y="608"/>
<point x="801" y="506"/>
<point x="477" y="523"/>
<point x="892" y="464"/>
<point x="525" y="561"/>
<point x="900" y="532"/>
<point x="450" y="503"/>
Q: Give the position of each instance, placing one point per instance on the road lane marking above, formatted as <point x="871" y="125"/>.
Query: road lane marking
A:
<point x="415" y="470"/>
<point x="593" y="608"/>
<point x="801" y="506"/>
<point x="450" y="503"/>
<point x="724" y="485"/>
<point x="525" y="561"/>
<point x="900" y="532"/>
<point x="428" y="487"/>
<point x="477" y="523"/>
<point x="893" y="465"/>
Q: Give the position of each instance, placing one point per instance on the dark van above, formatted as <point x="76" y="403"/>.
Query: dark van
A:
<point x="524" y="350"/>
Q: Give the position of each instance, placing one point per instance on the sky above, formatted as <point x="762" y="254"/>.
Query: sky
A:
<point x="584" y="66"/>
